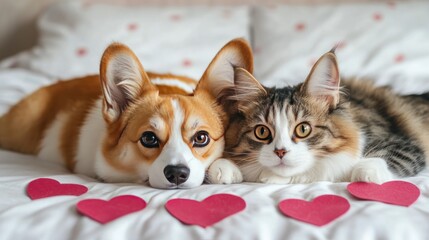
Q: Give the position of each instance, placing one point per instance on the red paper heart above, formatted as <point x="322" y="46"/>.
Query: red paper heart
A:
<point x="46" y="187"/>
<point x="105" y="211"/>
<point x="322" y="210"/>
<point x="395" y="192"/>
<point x="207" y="212"/>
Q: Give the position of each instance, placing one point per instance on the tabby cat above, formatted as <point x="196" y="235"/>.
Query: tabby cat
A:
<point x="321" y="130"/>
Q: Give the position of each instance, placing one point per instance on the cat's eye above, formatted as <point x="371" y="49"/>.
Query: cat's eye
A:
<point x="201" y="139"/>
<point x="262" y="132"/>
<point x="302" y="130"/>
<point x="149" y="140"/>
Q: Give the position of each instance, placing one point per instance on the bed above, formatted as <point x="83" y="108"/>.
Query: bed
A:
<point x="384" y="41"/>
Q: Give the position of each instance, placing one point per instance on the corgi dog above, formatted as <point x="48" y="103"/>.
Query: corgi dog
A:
<point x="127" y="125"/>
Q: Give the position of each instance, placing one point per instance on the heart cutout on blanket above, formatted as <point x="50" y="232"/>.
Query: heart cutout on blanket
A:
<point x="46" y="187"/>
<point x="395" y="192"/>
<point x="321" y="211"/>
<point x="207" y="212"/>
<point x="105" y="211"/>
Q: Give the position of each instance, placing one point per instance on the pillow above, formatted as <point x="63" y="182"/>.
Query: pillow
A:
<point x="385" y="42"/>
<point x="181" y="40"/>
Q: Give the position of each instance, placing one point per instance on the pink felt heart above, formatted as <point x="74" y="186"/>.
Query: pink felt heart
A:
<point x="322" y="210"/>
<point x="395" y="192"/>
<point x="207" y="212"/>
<point x="46" y="187"/>
<point x="105" y="211"/>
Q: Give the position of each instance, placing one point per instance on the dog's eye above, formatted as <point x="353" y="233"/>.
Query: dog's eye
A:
<point x="149" y="140"/>
<point x="302" y="130"/>
<point x="201" y="139"/>
<point x="262" y="132"/>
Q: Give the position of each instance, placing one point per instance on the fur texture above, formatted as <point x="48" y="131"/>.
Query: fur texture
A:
<point x="356" y="131"/>
<point x="121" y="127"/>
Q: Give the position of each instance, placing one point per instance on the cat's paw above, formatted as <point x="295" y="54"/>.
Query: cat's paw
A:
<point x="267" y="176"/>
<point x="371" y="170"/>
<point x="223" y="171"/>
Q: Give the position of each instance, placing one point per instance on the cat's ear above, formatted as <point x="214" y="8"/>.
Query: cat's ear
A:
<point x="220" y="74"/>
<point x="323" y="82"/>
<point x="243" y="95"/>
<point x="122" y="78"/>
<point x="246" y="89"/>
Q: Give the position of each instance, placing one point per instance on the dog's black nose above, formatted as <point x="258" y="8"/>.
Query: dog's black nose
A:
<point x="176" y="173"/>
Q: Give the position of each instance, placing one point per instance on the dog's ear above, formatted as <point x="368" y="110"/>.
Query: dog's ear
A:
<point x="323" y="82"/>
<point x="122" y="78"/>
<point x="220" y="74"/>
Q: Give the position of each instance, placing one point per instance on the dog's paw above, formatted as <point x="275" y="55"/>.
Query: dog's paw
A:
<point x="269" y="177"/>
<point x="223" y="171"/>
<point x="371" y="170"/>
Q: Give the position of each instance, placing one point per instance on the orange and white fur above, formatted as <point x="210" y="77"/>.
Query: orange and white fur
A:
<point x="121" y="127"/>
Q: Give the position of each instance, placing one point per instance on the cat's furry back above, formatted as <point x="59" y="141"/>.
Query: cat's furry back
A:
<point x="358" y="132"/>
<point x="396" y="128"/>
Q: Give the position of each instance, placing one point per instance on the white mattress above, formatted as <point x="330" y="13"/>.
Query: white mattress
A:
<point x="283" y="59"/>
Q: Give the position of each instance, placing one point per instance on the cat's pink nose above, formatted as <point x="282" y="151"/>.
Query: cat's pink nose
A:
<point x="280" y="152"/>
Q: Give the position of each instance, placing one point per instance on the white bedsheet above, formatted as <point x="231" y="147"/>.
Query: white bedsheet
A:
<point x="56" y="217"/>
<point x="281" y="56"/>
